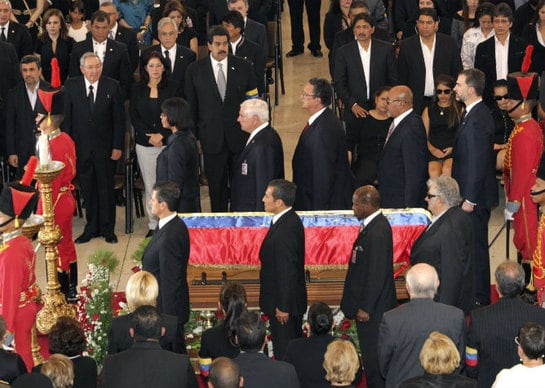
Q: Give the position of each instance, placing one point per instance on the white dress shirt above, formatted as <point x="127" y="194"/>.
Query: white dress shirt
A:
<point x="502" y="58"/>
<point x="365" y="56"/>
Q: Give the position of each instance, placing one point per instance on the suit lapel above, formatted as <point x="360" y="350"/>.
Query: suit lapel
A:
<point x="357" y="56"/>
<point x="212" y="79"/>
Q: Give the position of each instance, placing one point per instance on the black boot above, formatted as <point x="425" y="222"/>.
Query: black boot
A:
<point x="72" y="296"/>
<point x="63" y="280"/>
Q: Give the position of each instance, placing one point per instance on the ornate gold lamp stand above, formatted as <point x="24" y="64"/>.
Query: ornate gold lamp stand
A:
<point x="49" y="236"/>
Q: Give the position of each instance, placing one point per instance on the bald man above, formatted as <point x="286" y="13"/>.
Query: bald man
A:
<point x="403" y="168"/>
<point x="369" y="288"/>
<point x="225" y="373"/>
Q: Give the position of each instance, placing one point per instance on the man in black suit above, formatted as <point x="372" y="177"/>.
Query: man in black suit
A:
<point x="244" y="48"/>
<point x="403" y="167"/>
<point x="282" y="290"/>
<point x="215" y="88"/>
<point x="254" y="31"/>
<point x="490" y="345"/>
<point x="225" y="373"/>
<point x="369" y="288"/>
<point x="167" y="254"/>
<point x="21" y="114"/>
<point x="512" y="55"/>
<point x="404" y="329"/>
<point x="447" y="244"/>
<point x="113" y="55"/>
<point x="94" y="119"/>
<point x="426" y="55"/>
<point x="146" y="364"/>
<point x="13" y="32"/>
<point x="320" y="161"/>
<point x="261" y="161"/>
<point x="473" y="167"/>
<point x="11" y="76"/>
<point x="255" y="367"/>
<point x="361" y="68"/>
<point x="122" y="34"/>
<point x="177" y="57"/>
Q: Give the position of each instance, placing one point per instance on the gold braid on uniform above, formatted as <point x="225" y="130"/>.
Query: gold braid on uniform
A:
<point x="507" y="164"/>
<point x="537" y="262"/>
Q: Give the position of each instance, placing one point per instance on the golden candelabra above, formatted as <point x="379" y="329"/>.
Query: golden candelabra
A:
<point x="54" y="302"/>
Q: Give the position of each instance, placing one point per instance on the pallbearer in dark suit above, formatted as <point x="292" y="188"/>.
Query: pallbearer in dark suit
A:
<point x="94" y="120"/>
<point x="473" y="167"/>
<point x="11" y="75"/>
<point x="167" y="254"/>
<point x="320" y="161"/>
<point x="282" y="290"/>
<point x="447" y="244"/>
<point x="369" y="288"/>
<point x="261" y="161"/>
<point x="403" y="167"/>
<point x="215" y="88"/>
<point x="13" y="32"/>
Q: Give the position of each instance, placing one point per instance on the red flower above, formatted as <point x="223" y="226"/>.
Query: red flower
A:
<point x="219" y="314"/>
<point x="95" y="317"/>
<point x="136" y="269"/>
<point x="345" y="336"/>
<point x="345" y="325"/>
<point x="264" y="317"/>
<point x="269" y="337"/>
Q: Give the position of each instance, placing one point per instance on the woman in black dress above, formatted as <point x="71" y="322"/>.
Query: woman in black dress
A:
<point x="179" y="161"/>
<point x="365" y="143"/>
<point x="145" y="112"/>
<point x="54" y="42"/>
<point x="219" y="341"/>
<point x="336" y="19"/>
<point x="441" y="118"/>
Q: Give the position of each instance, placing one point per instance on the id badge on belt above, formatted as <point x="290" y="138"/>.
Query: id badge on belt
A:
<point x="244" y="169"/>
<point x="355" y="252"/>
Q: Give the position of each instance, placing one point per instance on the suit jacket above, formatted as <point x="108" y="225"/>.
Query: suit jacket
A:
<point x="403" y="167"/>
<point x="85" y="371"/>
<point x="257" y="33"/>
<point x="128" y="37"/>
<point x="217" y="126"/>
<point x="412" y="70"/>
<point x="11" y="74"/>
<point x="166" y="257"/>
<point x="453" y="380"/>
<point x="260" y="162"/>
<point x="147" y="365"/>
<point x="473" y="164"/>
<point x="97" y="132"/>
<point x="349" y="78"/>
<point x="403" y="331"/>
<point x="214" y="344"/>
<point x="116" y="63"/>
<point x="62" y="53"/>
<point x="250" y="51"/>
<point x="491" y="332"/>
<point x="307" y="356"/>
<point x="369" y="283"/>
<point x="184" y="57"/>
<point x="11" y="366"/>
<point x="21" y="123"/>
<point x="282" y="273"/>
<point x="320" y="166"/>
<point x="448" y="245"/>
<point x="261" y="372"/>
<point x="485" y="60"/>
<point x="179" y="162"/>
<point x="119" y="338"/>
<point x="20" y="38"/>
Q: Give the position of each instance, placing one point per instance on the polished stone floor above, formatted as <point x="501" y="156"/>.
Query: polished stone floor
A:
<point x="288" y="119"/>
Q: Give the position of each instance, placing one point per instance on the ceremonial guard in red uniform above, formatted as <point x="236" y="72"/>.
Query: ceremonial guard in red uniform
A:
<point x="18" y="289"/>
<point x="522" y="157"/>
<point x="538" y="260"/>
<point x="50" y="108"/>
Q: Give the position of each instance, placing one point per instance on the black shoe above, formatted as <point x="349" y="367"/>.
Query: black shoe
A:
<point x="294" y="53"/>
<point x="150" y="233"/>
<point x="111" y="238"/>
<point x="83" y="238"/>
<point x="72" y="294"/>
<point x="317" y="53"/>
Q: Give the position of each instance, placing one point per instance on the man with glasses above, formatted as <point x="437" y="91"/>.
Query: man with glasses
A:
<point x="426" y="55"/>
<point x="403" y="168"/>
<point x="447" y="243"/>
<point x="501" y="54"/>
<point x="320" y="161"/>
<point x="502" y="122"/>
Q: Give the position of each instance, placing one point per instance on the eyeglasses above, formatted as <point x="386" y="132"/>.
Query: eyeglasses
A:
<point x="517" y="340"/>
<point x="388" y="101"/>
<point x="430" y="196"/>
<point x="499" y="98"/>
<point x="305" y="94"/>
<point x="443" y="91"/>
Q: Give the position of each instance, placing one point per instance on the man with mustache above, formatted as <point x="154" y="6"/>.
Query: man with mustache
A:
<point x="215" y="87"/>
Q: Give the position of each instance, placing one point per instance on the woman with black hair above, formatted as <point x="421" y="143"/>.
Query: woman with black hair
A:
<point x="179" y="161"/>
<point x="307" y="354"/>
<point x="219" y="341"/>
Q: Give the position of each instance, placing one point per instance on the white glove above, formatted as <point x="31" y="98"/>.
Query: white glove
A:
<point x="508" y="216"/>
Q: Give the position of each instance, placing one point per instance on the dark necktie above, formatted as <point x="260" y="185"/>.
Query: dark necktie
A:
<point x="168" y="61"/>
<point x="3" y="34"/>
<point x="305" y="129"/>
<point x="91" y="97"/>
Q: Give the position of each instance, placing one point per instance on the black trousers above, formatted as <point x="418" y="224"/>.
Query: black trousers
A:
<point x="218" y="169"/>
<point x="368" y="337"/>
<point x="282" y="334"/>
<point x="481" y="265"/>
<point x="296" y="19"/>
